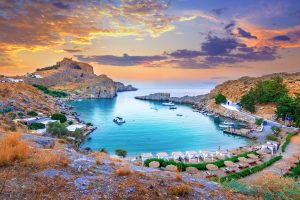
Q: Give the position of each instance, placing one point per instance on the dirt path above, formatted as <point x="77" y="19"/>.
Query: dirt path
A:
<point x="293" y="147"/>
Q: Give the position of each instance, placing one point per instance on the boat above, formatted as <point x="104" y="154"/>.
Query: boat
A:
<point x="228" y="123"/>
<point x="194" y="110"/>
<point x="209" y="114"/>
<point x="168" y="104"/>
<point x="173" y="107"/>
<point x="223" y="126"/>
<point x="179" y="115"/>
<point x="119" y="120"/>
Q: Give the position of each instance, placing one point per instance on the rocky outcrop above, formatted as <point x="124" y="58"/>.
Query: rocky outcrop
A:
<point x="78" y="79"/>
<point x="120" y="87"/>
<point x="199" y="101"/>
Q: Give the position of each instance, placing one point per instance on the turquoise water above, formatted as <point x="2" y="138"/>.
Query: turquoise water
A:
<point x="151" y="127"/>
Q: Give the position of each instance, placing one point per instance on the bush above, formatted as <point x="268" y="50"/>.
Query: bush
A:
<point x="295" y="172"/>
<point x="103" y="150"/>
<point x="78" y="133"/>
<point x="124" y="171"/>
<point x="259" y="121"/>
<point x="59" y="116"/>
<point x="180" y="190"/>
<point x="32" y="113"/>
<point x="89" y="124"/>
<point x="288" y="140"/>
<point x="287" y="106"/>
<point x="276" y="130"/>
<point x="264" y="92"/>
<point x="53" y="93"/>
<point x="48" y="68"/>
<point x="272" y="137"/>
<point x="220" y="98"/>
<point x="36" y="126"/>
<point x="57" y="129"/>
<point x="70" y="122"/>
<point x="12" y="115"/>
<point x="12" y="148"/>
<point x="20" y="114"/>
<point x="200" y="166"/>
<point x="251" y="170"/>
<point x="121" y="152"/>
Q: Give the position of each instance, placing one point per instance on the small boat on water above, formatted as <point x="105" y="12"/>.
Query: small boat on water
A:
<point x="223" y="126"/>
<point x="179" y="115"/>
<point x="173" y="107"/>
<point x="228" y="123"/>
<point x="119" y="120"/>
<point x="209" y="114"/>
<point x="170" y="103"/>
<point x="194" y="110"/>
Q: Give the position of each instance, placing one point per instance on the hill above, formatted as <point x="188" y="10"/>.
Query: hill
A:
<point x="78" y="79"/>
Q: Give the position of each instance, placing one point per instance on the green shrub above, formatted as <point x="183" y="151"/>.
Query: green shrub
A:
<point x="36" y="126"/>
<point x="276" y="130"/>
<point x="295" y="172"/>
<point x="272" y="137"/>
<point x="288" y="140"/>
<point x="259" y="121"/>
<point x="89" y="124"/>
<point x="32" y="113"/>
<point x="200" y="166"/>
<point x="121" y="152"/>
<point x="57" y="129"/>
<point x="20" y="114"/>
<point x="59" y="116"/>
<point x="220" y="98"/>
<point x="12" y="115"/>
<point x="53" y="93"/>
<point x="264" y="92"/>
<point x="48" y="68"/>
<point x="70" y="122"/>
<point x="251" y="170"/>
<point x="78" y="133"/>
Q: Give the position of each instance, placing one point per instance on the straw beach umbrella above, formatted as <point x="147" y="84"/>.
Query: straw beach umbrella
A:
<point x="292" y="160"/>
<point x="229" y="164"/>
<point x="243" y="159"/>
<point x="261" y="152"/>
<point x="171" y="168"/>
<point x="212" y="167"/>
<point x="154" y="164"/>
<point x="191" y="170"/>
<point x="253" y="156"/>
<point x="296" y="155"/>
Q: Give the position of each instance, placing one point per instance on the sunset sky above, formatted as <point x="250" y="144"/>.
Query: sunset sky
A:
<point x="188" y="42"/>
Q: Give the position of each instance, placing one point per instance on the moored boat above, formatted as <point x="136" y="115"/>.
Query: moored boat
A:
<point x="168" y="103"/>
<point x="119" y="120"/>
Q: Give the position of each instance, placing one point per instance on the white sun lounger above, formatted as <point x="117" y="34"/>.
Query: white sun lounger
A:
<point x="192" y="154"/>
<point x="178" y="154"/>
<point x="146" y="156"/>
<point x="162" y="155"/>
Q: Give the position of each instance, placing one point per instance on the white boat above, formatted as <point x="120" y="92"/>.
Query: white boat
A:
<point x="228" y="123"/>
<point x="179" y="115"/>
<point x="209" y="114"/>
<point x="119" y="120"/>
<point x="168" y="104"/>
<point x="173" y="107"/>
<point x="223" y="126"/>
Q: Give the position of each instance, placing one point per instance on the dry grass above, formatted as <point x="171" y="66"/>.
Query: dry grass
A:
<point x="12" y="149"/>
<point x="123" y="171"/>
<point x="178" y="176"/>
<point x="180" y="190"/>
<point x="45" y="158"/>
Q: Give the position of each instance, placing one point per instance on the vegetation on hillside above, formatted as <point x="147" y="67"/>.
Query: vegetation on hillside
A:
<point x="288" y="140"/>
<point x="57" y="129"/>
<point x="273" y="91"/>
<point x="36" y="126"/>
<point x="53" y="93"/>
<point x="220" y="98"/>
<point x="59" y="116"/>
<point x="48" y="68"/>
<point x="121" y="152"/>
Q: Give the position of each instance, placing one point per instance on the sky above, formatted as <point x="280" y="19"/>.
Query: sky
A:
<point x="187" y="43"/>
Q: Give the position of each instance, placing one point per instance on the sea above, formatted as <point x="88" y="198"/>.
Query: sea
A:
<point x="152" y="127"/>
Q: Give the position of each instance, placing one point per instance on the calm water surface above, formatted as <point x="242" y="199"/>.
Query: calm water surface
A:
<point x="151" y="127"/>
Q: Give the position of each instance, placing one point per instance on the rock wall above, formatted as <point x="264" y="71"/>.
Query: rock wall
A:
<point x="120" y="87"/>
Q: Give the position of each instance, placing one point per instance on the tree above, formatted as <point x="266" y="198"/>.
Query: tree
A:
<point x="57" y="129"/>
<point x="32" y="113"/>
<point x="285" y="107"/>
<point x="36" y="126"/>
<point x="59" y="116"/>
<point x="121" y="152"/>
<point x="78" y="133"/>
<point x="259" y="121"/>
<point x="248" y="101"/>
<point x="103" y="150"/>
<point x="220" y="98"/>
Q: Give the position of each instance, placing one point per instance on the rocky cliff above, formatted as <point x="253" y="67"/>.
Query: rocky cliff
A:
<point x="199" y="101"/>
<point x="78" y="79"/>
<point x="120" y="87"/>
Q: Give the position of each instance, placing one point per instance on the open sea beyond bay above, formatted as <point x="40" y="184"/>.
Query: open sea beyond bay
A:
<point x="152" y="127"/>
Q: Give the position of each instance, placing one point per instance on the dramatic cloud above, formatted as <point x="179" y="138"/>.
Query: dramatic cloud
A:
<point x="245" y="34"/>
<point x="124" y="60"/>
<point x="35" y="25"/>
<point x="221" y="51"/>
<point x="281" y="38"/>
